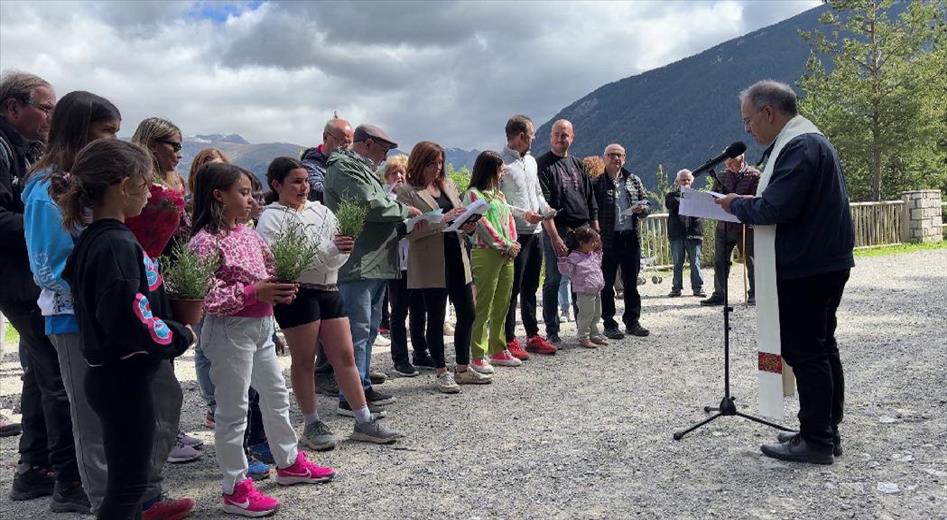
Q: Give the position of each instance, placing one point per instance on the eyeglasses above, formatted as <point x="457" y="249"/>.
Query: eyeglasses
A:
<point x="386" y="146"/>
<point x="174" y="145"/>
<point x="45" y="109"/>
<point x="747" y="120"/>
<point x="616" y="155"/>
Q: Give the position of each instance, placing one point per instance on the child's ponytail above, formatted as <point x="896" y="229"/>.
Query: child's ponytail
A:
<point x="98" y="165"/>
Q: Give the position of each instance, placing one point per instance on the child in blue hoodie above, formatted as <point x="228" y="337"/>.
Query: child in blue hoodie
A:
<point x="79" y="118"/>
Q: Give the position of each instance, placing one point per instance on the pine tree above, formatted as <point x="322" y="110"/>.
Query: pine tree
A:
<point x="882" y="102"/>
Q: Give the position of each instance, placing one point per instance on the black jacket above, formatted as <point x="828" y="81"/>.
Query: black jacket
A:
<point x="119" y="300"/>
<point x="808" y="201"/>
<point x="568" y="189"/>
<point x="680" y="227"/>
<point x="16" y="155"/>
<point x="604" y="189"/>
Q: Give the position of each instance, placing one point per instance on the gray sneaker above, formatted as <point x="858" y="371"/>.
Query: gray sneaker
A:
<point x="317" y="436"/>
<point x="375" y="432"/>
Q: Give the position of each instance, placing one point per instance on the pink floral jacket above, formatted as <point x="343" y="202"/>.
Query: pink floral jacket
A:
<point x="245" y="259"/>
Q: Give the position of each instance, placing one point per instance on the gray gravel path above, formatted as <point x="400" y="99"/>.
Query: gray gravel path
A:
<point x="587" y="434"/>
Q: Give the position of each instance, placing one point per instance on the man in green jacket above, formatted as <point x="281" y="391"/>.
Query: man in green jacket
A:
<point x="351" y="176"/>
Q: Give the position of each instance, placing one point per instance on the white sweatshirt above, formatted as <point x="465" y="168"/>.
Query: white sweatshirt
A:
<point x="320" y="226"/>
<point x="520" y="185"/>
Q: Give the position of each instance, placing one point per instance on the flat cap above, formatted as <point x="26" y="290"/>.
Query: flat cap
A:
<point x="366" y="131"/>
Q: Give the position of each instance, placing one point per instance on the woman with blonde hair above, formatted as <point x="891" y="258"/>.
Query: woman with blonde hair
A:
<point x="164" y="217"/>
<point x="438" y="266"/>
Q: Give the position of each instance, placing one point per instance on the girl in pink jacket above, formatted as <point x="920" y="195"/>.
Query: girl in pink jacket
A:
<point x="584" y="267"/>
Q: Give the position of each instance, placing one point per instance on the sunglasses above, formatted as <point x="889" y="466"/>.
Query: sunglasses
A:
<point x="174" y="145"/>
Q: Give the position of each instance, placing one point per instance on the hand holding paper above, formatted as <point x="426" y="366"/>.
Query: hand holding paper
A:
<point x="702" y="204"/>
<point x="478" y="208"/>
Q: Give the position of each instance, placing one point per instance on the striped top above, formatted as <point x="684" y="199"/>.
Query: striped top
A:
<point x="497" y="228"/>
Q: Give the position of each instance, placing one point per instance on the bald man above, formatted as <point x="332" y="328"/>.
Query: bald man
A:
<point x="569" y="190"/>
<point x="337" y="135"/>
<point x="621" y="198"/>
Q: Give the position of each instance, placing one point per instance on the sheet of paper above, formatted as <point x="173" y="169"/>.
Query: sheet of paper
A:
<point x="520" y="212"/>
<point x="631" y="211"/>
<point x="478" y="207"/>
<point x="430" y="216"/>
<point x="701" y="204"/>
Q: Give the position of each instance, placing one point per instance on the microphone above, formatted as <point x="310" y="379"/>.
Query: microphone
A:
<point x="734" y="150"/>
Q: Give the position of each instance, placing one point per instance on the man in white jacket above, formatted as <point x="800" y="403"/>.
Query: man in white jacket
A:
<point x="521" y="186"/>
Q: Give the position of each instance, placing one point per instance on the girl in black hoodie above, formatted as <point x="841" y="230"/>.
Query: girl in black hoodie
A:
<point x="120" y="306"/>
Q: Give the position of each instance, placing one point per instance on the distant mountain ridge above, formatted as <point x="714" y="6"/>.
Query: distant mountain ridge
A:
<point x="686" y="112"/>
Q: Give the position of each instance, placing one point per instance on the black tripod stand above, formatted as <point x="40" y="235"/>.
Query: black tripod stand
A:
<point x="727" y="405"/>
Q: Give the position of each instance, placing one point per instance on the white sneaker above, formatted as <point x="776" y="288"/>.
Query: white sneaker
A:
<point x="471" y="377"/>
<point x="381" y="341"/>
<point x="564" y="315"/>
<point x="445" y="382"/>
<point x="482" y="365"/>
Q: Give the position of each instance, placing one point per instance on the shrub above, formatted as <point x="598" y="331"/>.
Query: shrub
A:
<point x="187" y="276"/>
<point x="351" y="217"/>
<point x="293" y="252"/>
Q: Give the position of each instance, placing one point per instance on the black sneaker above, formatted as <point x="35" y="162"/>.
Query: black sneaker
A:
<point x="713" y="301"/>
<point x="326" y="385"/>
<point x="554" y="339"/>
<point x="613" y="333"/>
<point x="424" y="361"/>
<point x="377" y="398"/>
<point x="700" y="293"/>
<point x="70" y="498"/>
<point x="637" y="330"/>
<point x="346" y="409"/>
<point x="836" y="441"/>
<point x="33" y="483"/>
<point x="674" y="293"/>
<point x="405" y="369"/>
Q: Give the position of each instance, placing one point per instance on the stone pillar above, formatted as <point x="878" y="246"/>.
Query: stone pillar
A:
<point x="922" y="216"/>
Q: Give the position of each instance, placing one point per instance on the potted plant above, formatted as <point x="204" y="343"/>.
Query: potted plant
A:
<point x="187" y="277"/>
<point x="351" y="217"/>
<point x="293" y="252"/>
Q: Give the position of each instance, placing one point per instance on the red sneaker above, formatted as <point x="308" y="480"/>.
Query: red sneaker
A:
<point x="540" y="345"/>
<point x="169" y="509"/>
<point x="504" y="359"/>
<point x="517" y="350"/>
<point x="247" y="501"/>
<point x="303" y="472"/>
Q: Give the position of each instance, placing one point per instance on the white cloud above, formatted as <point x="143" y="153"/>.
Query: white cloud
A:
<point x="447" y="71"/>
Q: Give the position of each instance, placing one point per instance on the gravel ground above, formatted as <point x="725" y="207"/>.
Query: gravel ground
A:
<point x="587" y="434"/>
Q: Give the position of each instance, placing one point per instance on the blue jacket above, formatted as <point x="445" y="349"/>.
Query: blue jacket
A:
<point x="48" y="245"/>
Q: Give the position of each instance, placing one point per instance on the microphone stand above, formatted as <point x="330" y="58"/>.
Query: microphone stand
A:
<point x="727" y="406"/>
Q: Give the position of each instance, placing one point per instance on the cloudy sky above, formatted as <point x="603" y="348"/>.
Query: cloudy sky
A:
<point x="452" y="72"/>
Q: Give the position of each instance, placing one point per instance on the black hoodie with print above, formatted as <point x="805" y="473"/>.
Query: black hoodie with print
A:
<point x="120" y="303"/>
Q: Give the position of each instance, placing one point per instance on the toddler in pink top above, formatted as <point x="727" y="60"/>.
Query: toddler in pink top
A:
<point x="237" y="339"/>
<point x="583" y="266"/>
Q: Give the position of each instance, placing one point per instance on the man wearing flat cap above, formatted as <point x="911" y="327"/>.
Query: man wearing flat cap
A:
<point x="351" y="177"/>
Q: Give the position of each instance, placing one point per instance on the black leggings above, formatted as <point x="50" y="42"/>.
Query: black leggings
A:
<point x="120" y="394"/>
<point x="435" y="300"/>
<point x="406" y="305"/>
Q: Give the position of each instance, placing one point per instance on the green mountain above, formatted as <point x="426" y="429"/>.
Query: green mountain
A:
<point x="686" y="112"/>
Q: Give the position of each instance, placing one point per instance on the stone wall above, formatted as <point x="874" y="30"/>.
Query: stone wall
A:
<point x="922" y="216"/>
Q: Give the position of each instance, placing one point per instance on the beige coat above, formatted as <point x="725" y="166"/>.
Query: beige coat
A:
<point x="426" y="268"/>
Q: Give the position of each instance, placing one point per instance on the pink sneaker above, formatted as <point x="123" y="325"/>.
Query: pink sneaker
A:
<point x="482" y="365"/>
<point x="505" y="359"/>
<point x="303" y="471"/>
<point x="247" y="501"/>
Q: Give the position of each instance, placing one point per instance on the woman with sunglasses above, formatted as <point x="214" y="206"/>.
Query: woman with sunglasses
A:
<point x="164" y="217"/>
<point x="162" y="220"/>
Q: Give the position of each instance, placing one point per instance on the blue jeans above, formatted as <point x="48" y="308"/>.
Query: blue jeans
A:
<point x="691" y="246"/>
<point x="551" y="288"/>
<point x="565" y="293"/>
<point x="362" y="300"/>
<point x="202" y="367"/>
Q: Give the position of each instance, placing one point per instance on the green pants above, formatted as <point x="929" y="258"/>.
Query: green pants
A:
<point x="493" y="277"/>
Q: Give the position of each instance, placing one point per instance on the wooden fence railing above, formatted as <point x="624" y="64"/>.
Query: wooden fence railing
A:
<point x="876" y="224"/>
